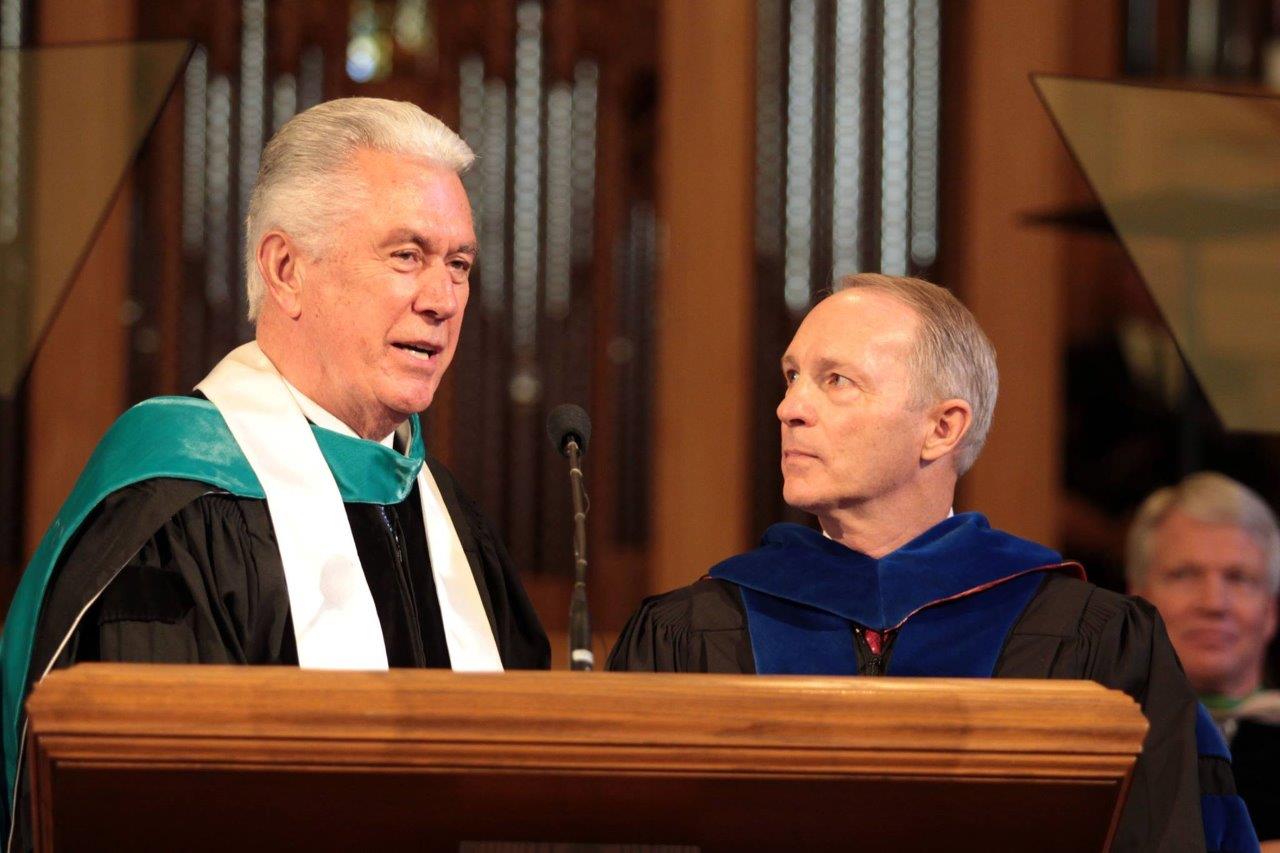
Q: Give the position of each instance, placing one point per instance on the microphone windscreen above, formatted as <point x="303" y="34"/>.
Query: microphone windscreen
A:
<point x="568" y="420"/>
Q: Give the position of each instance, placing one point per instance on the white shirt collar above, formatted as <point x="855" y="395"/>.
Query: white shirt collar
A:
<point x="950" y="513"/>
<point x="321" y="417"/>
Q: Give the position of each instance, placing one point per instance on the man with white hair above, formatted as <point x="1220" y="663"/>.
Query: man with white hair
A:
<point x="287" y="513"/>
<point x="890" y="389"/>
<point x="1206" y="553"/>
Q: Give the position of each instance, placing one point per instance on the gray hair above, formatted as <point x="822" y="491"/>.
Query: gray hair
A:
<point x="953" y="357"/>
<point x="304" y="183"/>
<point x="1210" y="498"/>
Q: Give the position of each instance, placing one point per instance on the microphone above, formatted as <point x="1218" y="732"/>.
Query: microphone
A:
<point x="568" y="422"/>
<point x="569" y="429"/>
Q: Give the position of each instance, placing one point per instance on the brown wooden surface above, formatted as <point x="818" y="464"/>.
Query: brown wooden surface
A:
<point x="1003" y="158"/>
<point x="203" y="757"/>
<point x="76" y="387"/>
<point x="702" y="476"/>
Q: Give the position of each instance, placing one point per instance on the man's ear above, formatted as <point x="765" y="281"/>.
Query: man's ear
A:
<point x="281" y="265"/>
<point x="948" y="422"/>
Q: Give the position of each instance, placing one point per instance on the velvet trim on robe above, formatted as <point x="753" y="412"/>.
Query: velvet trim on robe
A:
<point x="804" y="593"/>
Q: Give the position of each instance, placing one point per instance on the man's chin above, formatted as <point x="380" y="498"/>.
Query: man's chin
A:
<point x="1210" y="674"/>
<point x="409" y="400"/>
<point x="393" y="415"/>
<point x="805" y="500"/>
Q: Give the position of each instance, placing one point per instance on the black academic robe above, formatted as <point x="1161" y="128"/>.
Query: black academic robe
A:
<point x="1255" y="758"/>
<point x="202" y="582"/>
<point x="1070" y="629"/>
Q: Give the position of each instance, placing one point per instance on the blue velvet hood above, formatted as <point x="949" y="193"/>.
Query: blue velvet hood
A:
<point x="950" y="596"/>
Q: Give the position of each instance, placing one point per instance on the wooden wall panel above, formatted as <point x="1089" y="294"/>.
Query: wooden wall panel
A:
<point x="77" y="383"/>
<point x="1002" y="158"/>
<point x="704" y="292"/>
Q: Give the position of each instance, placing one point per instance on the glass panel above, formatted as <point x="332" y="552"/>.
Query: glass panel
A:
<point x="74" y="118"/>
<point x="1191" y="183"/>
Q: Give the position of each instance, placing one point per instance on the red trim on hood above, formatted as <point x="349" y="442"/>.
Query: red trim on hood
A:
<point x="1070" y="565"/>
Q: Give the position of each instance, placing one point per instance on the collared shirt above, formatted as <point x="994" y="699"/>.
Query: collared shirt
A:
<point x="950" y="513"/>
<point x="322" y="417"/>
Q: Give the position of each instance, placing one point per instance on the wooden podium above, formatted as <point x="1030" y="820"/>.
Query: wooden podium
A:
<point x="166" y="758"/>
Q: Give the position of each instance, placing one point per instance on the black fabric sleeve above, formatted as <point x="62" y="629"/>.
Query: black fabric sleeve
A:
<point x="1125" y="646"/>
<point x="522" y="642"/>
<point x="700" y="628"/>
<point x="1255" y="756"/>
<point x="644" y="646"/>
<point x="206" y="587"/>
<point x="1073" y="629"/>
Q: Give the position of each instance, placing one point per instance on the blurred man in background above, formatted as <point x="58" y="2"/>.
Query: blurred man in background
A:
<point x="1206" y="553"/>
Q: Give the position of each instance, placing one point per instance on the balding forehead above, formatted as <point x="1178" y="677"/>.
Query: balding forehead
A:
<point x="886" y="315"/>
<point x="869" y="298"/>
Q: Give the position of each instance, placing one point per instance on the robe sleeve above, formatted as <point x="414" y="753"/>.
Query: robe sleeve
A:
<point x="700" y="628"/>
<point x="645" y="646"/>
<point x="163" y="571"/>
<point x="521" y="639"/>
<point x="517" y="630"/>
<point x="1255" y="758"/>
<point x="1182" y="795"/>
<point x="203" y="588"/>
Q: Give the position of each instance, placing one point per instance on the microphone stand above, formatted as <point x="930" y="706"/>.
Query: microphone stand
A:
<point x="580" y="655"/>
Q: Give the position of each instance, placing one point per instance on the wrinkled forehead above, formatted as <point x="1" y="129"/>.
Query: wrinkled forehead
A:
<point x="1181" y="538"/>
<point x="410" y="186"/>
<point x="384" y="171"/>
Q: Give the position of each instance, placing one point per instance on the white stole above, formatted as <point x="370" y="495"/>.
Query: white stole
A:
<point x="334" y="618"/>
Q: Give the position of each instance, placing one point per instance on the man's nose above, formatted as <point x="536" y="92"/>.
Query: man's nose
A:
<point x="437" y="294"/>
<point x="1213" y="594"/>
<point x="795" y="408"/>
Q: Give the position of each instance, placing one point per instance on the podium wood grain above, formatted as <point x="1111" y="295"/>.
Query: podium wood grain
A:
<point x="166" y="757"/>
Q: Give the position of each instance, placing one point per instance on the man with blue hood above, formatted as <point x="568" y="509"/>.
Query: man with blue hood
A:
<point x="890" y="389"/>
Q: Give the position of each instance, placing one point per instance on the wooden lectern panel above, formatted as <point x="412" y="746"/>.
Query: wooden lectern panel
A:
<point x="166" y="757"/>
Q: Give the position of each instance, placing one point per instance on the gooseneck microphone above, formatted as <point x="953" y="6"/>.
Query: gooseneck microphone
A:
<point x="569" y="429"/>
